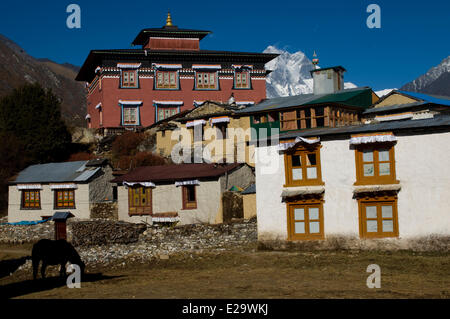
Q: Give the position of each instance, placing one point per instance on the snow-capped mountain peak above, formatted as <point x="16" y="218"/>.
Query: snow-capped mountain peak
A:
<point x="290" y="74"/>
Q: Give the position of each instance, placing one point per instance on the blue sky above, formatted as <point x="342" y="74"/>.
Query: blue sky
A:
<point x="414" y="35"/>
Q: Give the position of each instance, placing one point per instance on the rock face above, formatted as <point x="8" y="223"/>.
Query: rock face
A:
<point x="435" y="81"/>
<point x="18" y="68"/>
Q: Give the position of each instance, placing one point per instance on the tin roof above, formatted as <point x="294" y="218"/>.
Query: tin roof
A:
<point x="341" y="97"/>
<point x="56" y="172"/>
<point x="176" y="172"/>
<point x="438" y="121"/>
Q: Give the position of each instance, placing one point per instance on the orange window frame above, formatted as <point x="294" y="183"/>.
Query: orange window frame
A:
<point x="204" y="79"/>
<point x="31" y="199"/>
<point x="381" y="221"/>
<point x="65" y="198"/>
<point x="376" y="163"/>
<point x="305" y="163"/>
<point x="166" y="79"/>
<point x="129" y="78"/>
<point x="189" y="204"/>
<point x="303" y="214"/>
<point x="242" y="80"/>
<point x="140" y="200"/>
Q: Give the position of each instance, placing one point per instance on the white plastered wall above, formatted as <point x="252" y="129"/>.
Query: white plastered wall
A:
<point x="168" y="198"/>
<point x="16" y="214"/>
<point x="423" y="201"/>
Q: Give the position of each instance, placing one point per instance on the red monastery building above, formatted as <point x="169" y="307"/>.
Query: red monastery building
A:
<point x="129" y="88"/>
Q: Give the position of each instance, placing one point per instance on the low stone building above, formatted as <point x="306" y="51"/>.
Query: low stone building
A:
<point x="184" y="193"/>
<point x="41" y="190"/>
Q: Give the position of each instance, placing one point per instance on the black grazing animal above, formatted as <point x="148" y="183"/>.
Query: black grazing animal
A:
<point x="54" y="252"/>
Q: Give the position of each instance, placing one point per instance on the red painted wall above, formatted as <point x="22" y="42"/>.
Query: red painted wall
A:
<point x="110" y="94"/>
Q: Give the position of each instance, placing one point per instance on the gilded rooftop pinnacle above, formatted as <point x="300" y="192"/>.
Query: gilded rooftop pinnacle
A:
<point x="169" y="20"/>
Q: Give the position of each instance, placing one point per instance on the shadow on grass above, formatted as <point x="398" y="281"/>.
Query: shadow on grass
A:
<point x="26" y="287"/>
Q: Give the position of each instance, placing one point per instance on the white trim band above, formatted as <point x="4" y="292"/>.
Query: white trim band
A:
<point x="167" y="66"/>
<point x="128" y="102"/>
<point x="63" y="186"/>
<point x="168" y="102"/>
<point x="372" y="139"/>
<point x="237" y="66"/>
<point x="129" y="65"/>
<point x="29" y="186"/>
<point x="206" y="66"/>
<point x="298" y="139"/>
<point x="223" y="119"/>
<point x="393" y="117"/>
<point x="145" y="184"/>
<point x="192" y="182"/>
<point x="195" y="123"/>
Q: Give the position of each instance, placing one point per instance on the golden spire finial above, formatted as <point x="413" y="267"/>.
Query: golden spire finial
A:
<point x="169" y="20"/>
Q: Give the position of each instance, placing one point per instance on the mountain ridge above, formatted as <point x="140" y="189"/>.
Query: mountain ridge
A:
<point x="17" y="67"/>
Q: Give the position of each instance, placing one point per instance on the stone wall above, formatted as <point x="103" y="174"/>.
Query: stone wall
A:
<point x="105" y="210"/>
<point x="103" y="232"/>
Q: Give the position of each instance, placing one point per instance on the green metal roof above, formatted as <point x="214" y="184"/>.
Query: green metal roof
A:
<point x="357" y="97"/>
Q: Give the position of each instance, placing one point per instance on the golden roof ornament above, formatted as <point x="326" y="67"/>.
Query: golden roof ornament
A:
<point x="169" y="20"/>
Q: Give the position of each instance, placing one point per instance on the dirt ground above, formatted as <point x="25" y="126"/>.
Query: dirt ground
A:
<point x="246" y="273"/>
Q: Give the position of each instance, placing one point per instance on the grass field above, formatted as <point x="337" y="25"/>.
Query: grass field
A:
<point x="246" y="273"/>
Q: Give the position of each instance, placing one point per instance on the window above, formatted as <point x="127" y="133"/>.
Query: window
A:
<point x="206" y="80"/>
<point x="221" y="130"/>
<point x="129" y="79"/>
<point x="242" y="80"/>
<point x="139" y="200"/>
<point x="165" y="112"/>
<point x="305" y="220"/>
<point x="378" y="217"/>
<point x="166" y="79"/>
<point x="130" y="116"/>
<point x="303" y="167"/>
<point x="375" y="164"/>
<point x="65" y="198"/>
<point x="189" y="197"/>
<point x="31" y="199"/>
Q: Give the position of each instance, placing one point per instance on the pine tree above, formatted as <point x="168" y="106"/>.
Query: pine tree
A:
<point x="33" y="115"/>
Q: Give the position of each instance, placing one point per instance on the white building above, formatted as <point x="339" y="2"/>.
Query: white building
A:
<point x="184" y="193"/>
<point x="41" y="190"/>
<point x="387" y="181"/>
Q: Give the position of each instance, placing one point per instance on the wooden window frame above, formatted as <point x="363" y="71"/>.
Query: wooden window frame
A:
<point x="377" y="178"/>
<point x="125" y="81"/>
<point x="186" y="203"/>
<point x="238" y="82"/>
<point x="200" y="83"/>
<point x="143" y="193"/>
<point x="166" y="80"/>
<point x="165" y="109"/>
<point x="127" y="109"/>
<point x="23" y="205"/>
<point x="306" y="204"/>
<point x="56" y="202"/>
<point x="378" y="201"/>
<point x="303" y="151"/>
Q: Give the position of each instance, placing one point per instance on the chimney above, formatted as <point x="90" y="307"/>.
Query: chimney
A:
<point x="328" y="80"/>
